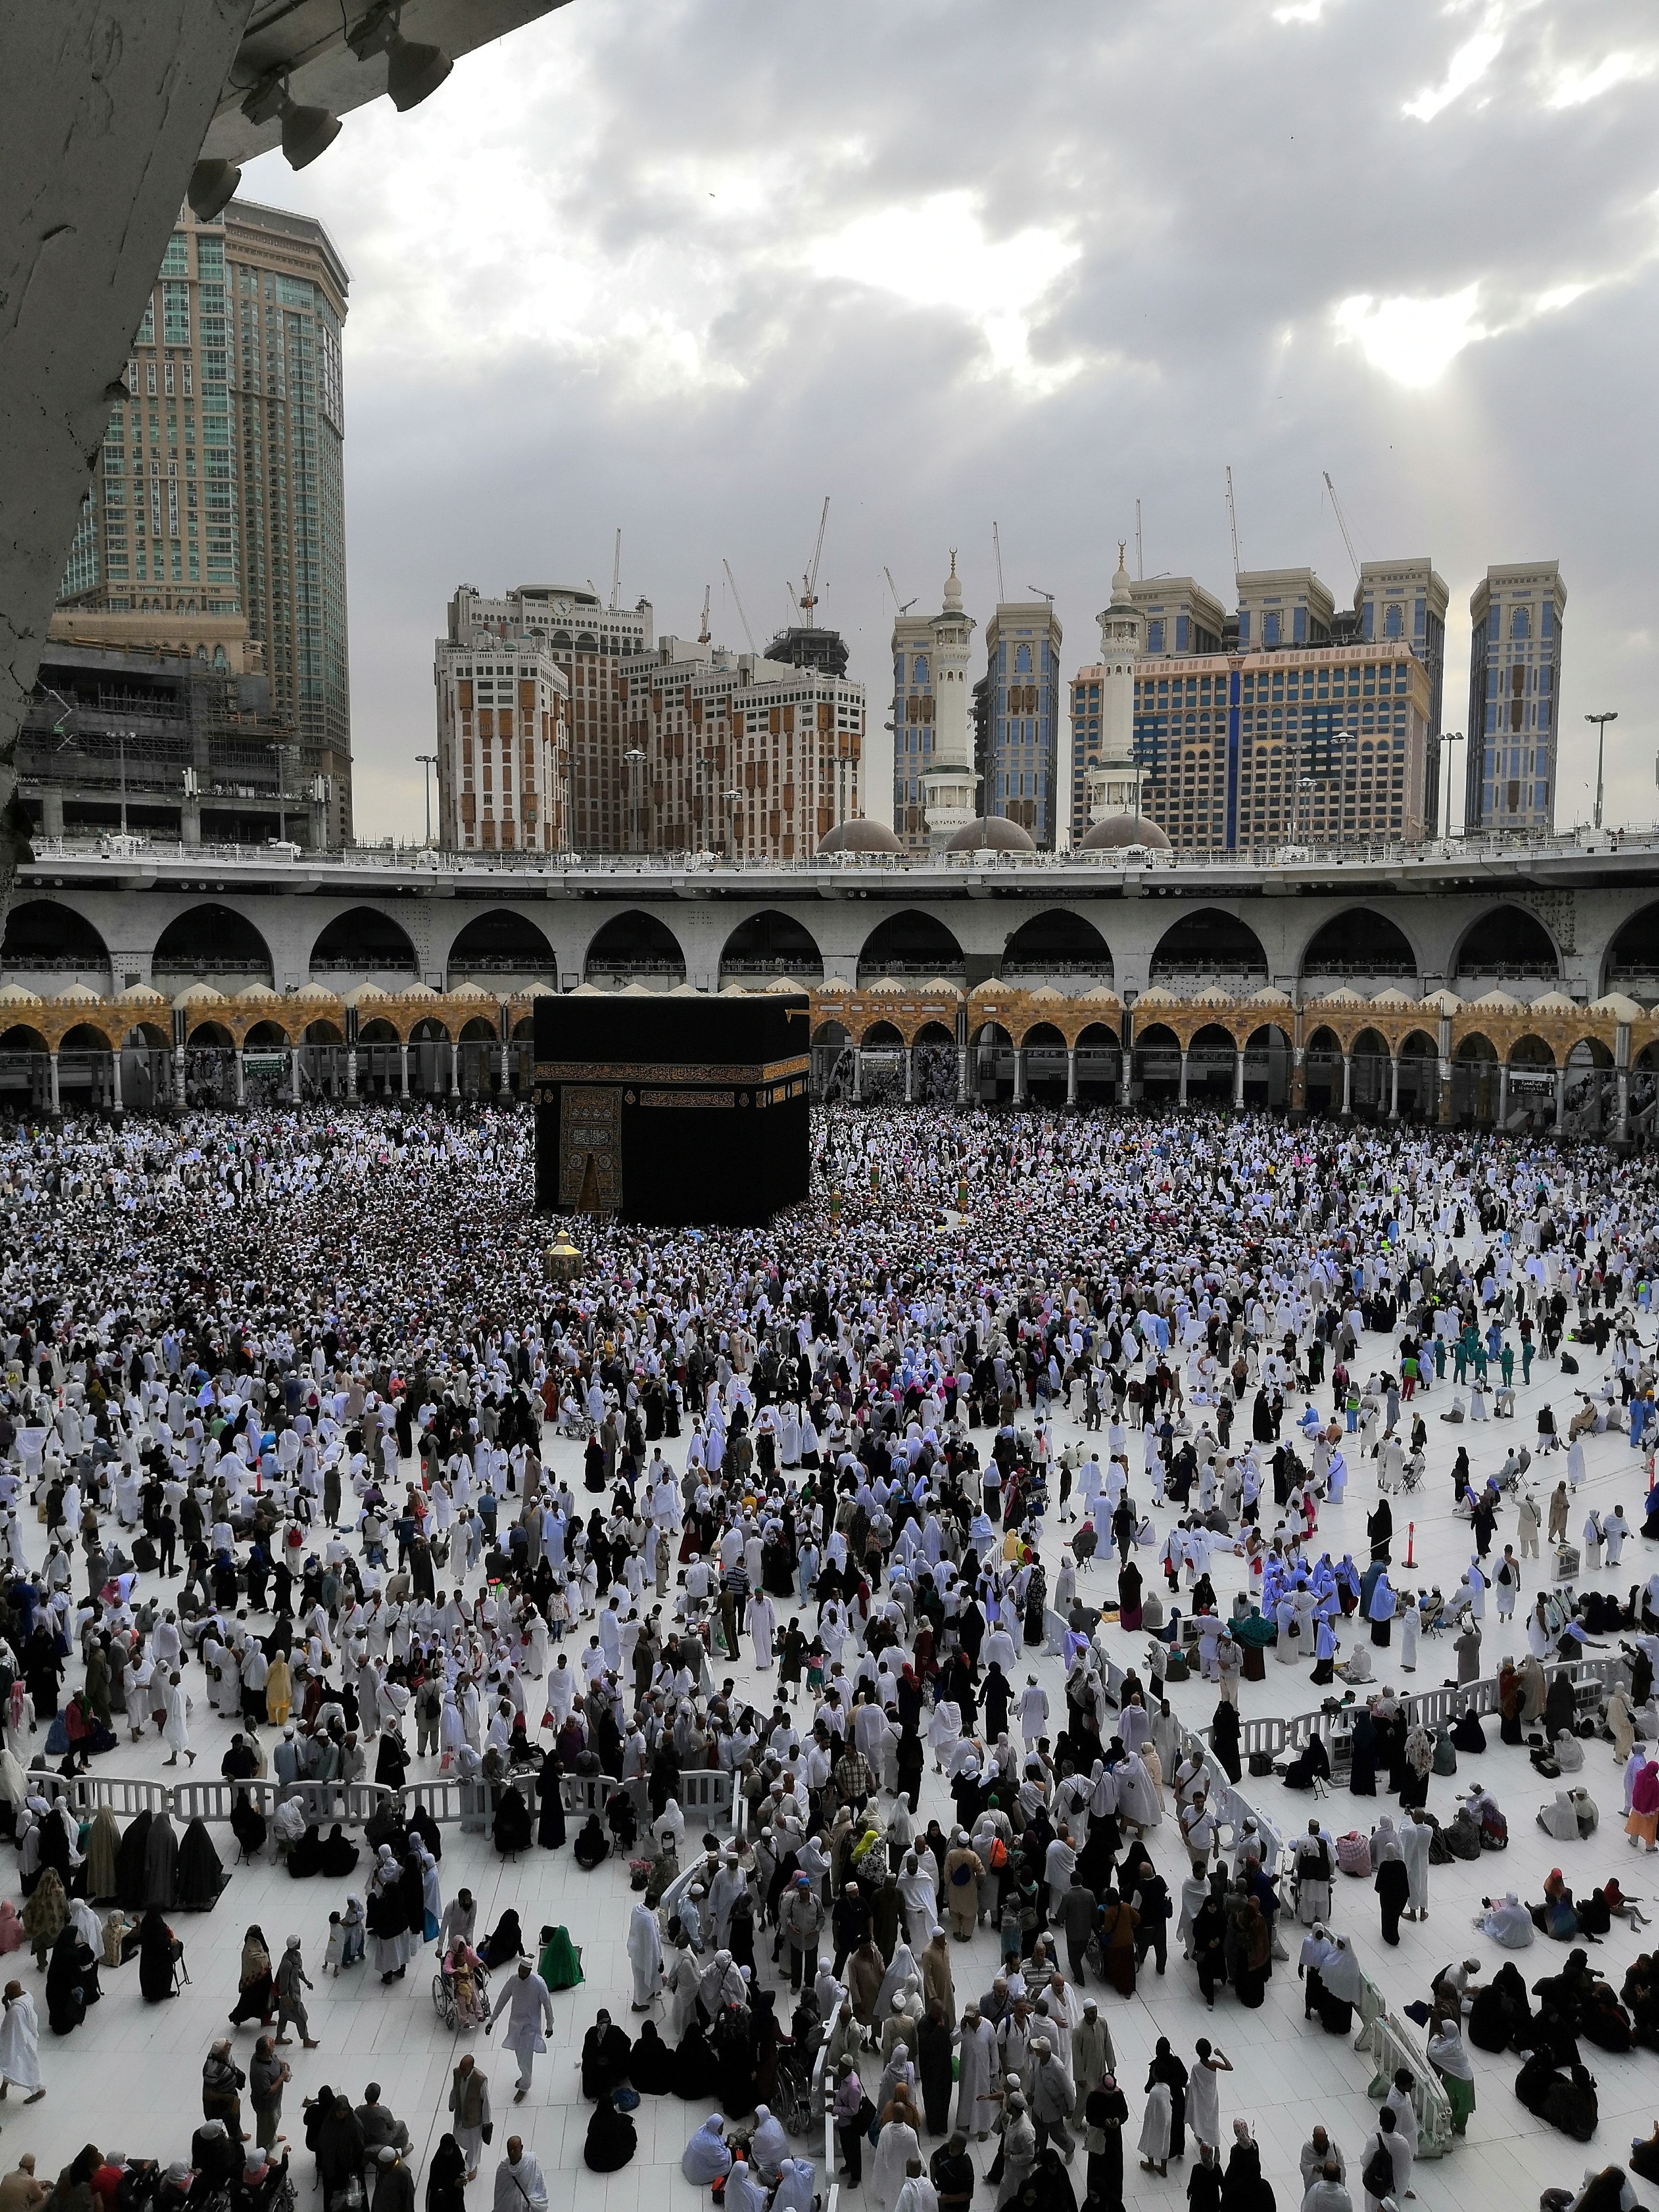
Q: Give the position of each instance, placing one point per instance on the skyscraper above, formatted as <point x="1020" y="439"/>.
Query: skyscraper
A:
<point x="287" y="306"/>
<point x="1514" y="691"/>
<point x="1021" y="647"/>
<point x="1406" y="600"/>
<point x="220" y="488"/>
<point x="590" y="642"/>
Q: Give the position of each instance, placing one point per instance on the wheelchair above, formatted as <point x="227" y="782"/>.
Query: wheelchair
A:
<point x="443" y="1998"/>
<point x="793" y="2096"/>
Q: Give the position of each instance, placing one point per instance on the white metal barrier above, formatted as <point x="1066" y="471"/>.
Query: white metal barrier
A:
<point x="587" y="1793"/>
<point x="1392" y="2046"/>
<point x="1592" y="1679"/>
<point x="122" y="1794"/>
<point x="708" y="1791"/>
<point x="440" y="1799"/>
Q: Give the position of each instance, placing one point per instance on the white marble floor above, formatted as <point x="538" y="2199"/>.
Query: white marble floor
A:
<point x="129" y="2078"/>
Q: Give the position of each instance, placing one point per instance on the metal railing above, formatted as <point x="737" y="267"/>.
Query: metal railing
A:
<point x="1278" y="855"/>
<point x="1391" y="2044"/>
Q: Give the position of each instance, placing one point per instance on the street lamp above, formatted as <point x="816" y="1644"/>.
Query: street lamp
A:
<point x="1447" y="740"/>
<point x="428" y="762"/>
<point x="734" y="799"/>
<point x="633" y="756"/>
<point x="1601" y="722"/>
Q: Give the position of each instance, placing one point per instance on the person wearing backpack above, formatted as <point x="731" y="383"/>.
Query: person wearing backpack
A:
<point x="1379" y="2161"/>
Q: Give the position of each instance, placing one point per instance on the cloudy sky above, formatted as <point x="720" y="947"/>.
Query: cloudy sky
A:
<point x="686" y="266"/>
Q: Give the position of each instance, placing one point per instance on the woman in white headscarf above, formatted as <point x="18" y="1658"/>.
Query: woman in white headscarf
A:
<point x="1509" y="1922"/>
<point x="1137" y="1799"/>
<point x="1559" y="1820"/>
<point x="1339" y="1976"/>
<point x="903" y="1977"/>
<point x="770" y="2146"/>
<point x="706" y="2158"/>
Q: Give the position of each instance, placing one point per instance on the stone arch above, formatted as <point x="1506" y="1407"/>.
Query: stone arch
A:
<point x="634" y="946"/>
<point x="1359" y="946"/>
<point x="1208" y="946"/>
<point x="1156" y="1061"/>
<point x="1212" y="1061"/>
<point x="1099" y="1061"/>
<point x="1505" y="945"/>
<point x="1057" y="942"/>
<point x="503" y="942"/>
<point x="205" y="940"/>
<point x="1531" y="1051"/>
<point x="1475" y="1079"/>
<point x="771" y="944"/>
<point x="1268" y="1065"/>
<point x="1322" y="1070"/>
<point x="364" y="941"/>
<point x="44" y="939"/>
<point x="911" y="943"/>
<point x="1419" y="1061"/>
<point x="1371" y="1074"/>
<point x="1632" y="959"/>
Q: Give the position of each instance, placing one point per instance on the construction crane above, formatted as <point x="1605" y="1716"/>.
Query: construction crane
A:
<point x="903" y="606"/>
<point x="1232" y="521"/>
<point x="1140" y="571"/>
<point x="996" y="547"/>
<point x="704" y="634"/>
<point x="809" y="592"/>
<point x="1037" y="593"/>
<point x="615" y="572"/>
<point x="1336" y="509"/>
<point x="737" y="598"/>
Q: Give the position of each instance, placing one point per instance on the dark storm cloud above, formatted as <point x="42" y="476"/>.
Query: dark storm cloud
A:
<point x="688" y="267"/>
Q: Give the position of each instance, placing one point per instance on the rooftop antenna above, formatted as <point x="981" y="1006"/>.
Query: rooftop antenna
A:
<point x="809" y="596"/>
<point x="1232" y="522"/>
<point x="1336" y="508"/>
<point x="996" y="547"/>
<point x="615" y="572"/>
<point x="904" y="606"/>
<point x="1139" y="570"/>
<point x="704" y="634"/>
<point x="738" y="595"/>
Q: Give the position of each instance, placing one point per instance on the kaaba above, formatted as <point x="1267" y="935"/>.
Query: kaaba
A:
<point x="672" y="1111"/>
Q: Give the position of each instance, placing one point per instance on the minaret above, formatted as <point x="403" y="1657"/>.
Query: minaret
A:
<point x="1113" y="781"/>
<point x="950" y="786"/>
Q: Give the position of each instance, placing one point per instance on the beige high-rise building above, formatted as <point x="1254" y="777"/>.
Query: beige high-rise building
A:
<point x="504" y="744"/>
<point x="727" y="752"/>
<point x="590" y="641"/>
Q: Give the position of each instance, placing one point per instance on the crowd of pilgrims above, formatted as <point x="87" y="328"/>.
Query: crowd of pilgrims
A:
<point x="281" y="1385"/>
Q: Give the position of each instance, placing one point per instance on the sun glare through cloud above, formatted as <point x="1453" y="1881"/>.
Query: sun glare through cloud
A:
<point x="937" y="254"/>
<point x="1412" y="340"/>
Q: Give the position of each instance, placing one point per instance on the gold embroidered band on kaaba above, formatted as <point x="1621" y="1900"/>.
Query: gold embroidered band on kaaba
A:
<point x="642" y="1071"/>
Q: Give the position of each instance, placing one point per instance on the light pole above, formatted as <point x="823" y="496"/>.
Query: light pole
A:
<point x="121" y="741"/>
<point x="1601" y="722"/>
<point x="734" y="799"/>
<point x="633" y="756"/>
<point x="1447" y="740"/>
<point x="428" y="762"/>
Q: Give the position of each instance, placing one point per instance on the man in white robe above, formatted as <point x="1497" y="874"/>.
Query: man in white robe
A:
<point x="520" y="2186"/>
<point x="980" y="2068"/>
<point x="529" y="2009"/>
<point x="20" y="2044"/>
<point x="644" y="1955"/>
